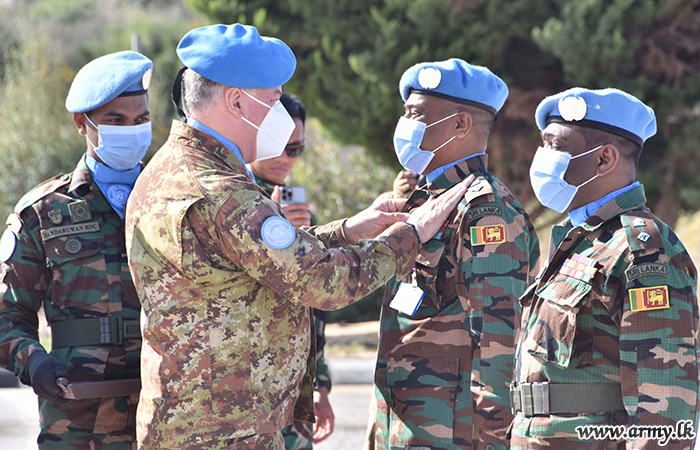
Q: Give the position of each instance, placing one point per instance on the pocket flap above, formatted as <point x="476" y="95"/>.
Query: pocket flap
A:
<point x="564" y="290"/>
<point x="430" y="253"/>
<point x="423" y="371"/>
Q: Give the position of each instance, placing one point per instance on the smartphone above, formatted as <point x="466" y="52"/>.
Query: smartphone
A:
<point x="292" y="194"/>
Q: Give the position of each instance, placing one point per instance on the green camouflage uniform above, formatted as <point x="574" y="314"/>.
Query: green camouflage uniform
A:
<point x="70" y="258"/>
<point x="442" y="375"/>
<point x="576" y="330"/>
<point x="227" y="355"/>
<point x="298" y="436"/>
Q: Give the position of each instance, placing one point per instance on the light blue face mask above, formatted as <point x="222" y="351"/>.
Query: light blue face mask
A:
<point x="547" y="178"/>
<point x="408" y="137"/>
<point x="122" y="147"/>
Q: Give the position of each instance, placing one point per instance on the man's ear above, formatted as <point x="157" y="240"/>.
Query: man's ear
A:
<point x="464" y="124"/>
<point x="608" y="159"/>
<point x="232" y="100"/>
<point x="80" y="123"/>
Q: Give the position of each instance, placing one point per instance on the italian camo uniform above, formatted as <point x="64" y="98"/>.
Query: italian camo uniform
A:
<point x="443" y="374"/>
<point x="298" y="436"/>
<point x="227" y="358"/>
<point x="70" y="258"/>
<point x="633" y="322"/>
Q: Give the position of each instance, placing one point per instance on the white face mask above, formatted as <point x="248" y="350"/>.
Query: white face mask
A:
<point x="408" y="138"/>
<point x="274" y="131"/>
<point x="547" y="178"/>
<point x="122" y="147"/>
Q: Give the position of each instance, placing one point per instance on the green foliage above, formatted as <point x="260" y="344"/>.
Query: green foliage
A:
<point x="650" y="49"/>
<point x="49" y="41"/>
<point x="340" y="181"/>
<point x="351" y="54"/>
<point x="39" y="138"/>
<point x="64" y="11"/>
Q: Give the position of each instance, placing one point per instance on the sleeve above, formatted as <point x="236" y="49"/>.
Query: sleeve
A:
<point x="306" y="270"/>
<point x="323" y="378"/>
<point x="498" y="255"/>
<point x="658" y="344"/>
<point x="23" y="284"/>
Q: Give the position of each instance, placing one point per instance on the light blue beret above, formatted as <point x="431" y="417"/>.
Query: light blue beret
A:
<point x="610" y="110"/>
<point x="102" y="80"/>
<point x="236" y="55"/>
<point x="455" y="80"/>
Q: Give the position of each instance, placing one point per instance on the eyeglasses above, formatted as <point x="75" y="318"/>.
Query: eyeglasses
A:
<point x="295" y="149"/>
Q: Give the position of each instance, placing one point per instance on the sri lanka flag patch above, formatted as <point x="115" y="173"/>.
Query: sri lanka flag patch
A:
<point x="490" y="234"/>
<point x="644" y="299"/>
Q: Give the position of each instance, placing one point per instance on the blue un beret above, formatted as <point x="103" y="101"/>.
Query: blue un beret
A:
<point x="610" y="110"/>
<point x="102" y="80"/>
<point x="455" y="80"/>
<point x="236" y="55"/>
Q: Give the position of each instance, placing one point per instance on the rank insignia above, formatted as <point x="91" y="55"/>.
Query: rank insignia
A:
<point x="643" y="237"/>
<point x="79" y="211"/>
<point x="638" y="222"/>
<point x="490" y="234"/>
<point x="579" y="267"/>
<point x="55" y="216"/>
<point x="644" y="299"/>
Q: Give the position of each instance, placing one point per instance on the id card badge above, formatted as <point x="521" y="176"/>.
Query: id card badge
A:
<point x="408" y="298"/>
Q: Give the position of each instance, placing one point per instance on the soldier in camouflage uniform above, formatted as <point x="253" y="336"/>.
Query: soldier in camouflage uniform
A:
<point x="608" y="334"/>
<point x="445" y="362"/>
<point x="270" y="173"/>
<point x="64" y="250"/>
<point x="225" y="281"/>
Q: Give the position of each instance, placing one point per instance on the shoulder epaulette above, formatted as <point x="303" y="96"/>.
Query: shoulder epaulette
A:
<point x="642" y="230"/>
<point x="47" y="187"/>
<point x="478" y="188"/>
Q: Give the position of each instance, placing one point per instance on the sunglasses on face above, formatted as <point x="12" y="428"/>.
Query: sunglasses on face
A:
<point x="295" y="149"/>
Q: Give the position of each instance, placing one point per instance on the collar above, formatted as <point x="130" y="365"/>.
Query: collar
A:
<point x="187" y="135"/>
<point x="579" y="215"/>
<point x="81" y="175"/>
<point x="440" y="170"/>
<point x="632" y="199"/>
<point x="222" y="139"/>
<point x="457" y="173"/>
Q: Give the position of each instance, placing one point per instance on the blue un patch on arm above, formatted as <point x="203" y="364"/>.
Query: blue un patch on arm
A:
<point x="277" y="232"/>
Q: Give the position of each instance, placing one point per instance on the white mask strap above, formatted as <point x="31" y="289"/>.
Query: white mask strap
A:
<point x="447" y="142"/>
<point x="257" y="100"/>
<point x="442" y="120"/>
<point x="589" y="151"/>
<point x="582" y="185"/>
<point x="95" y="126"/>
<point x="250" y="123"/>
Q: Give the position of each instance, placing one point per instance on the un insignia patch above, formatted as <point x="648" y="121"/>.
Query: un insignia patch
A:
<point x="277" y="232"/>
<point x="8" y="242"/>
<point x="118" y="194"/>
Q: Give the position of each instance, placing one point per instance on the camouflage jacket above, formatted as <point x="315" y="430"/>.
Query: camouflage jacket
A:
<point x="631" y="318"/>
<point x="69" y="258"/>
<point x="444" y="372"/>
<point x="323" y="377"/>
<point x="226" y="318"/>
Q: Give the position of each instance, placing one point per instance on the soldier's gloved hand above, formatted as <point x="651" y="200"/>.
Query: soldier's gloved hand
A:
<point x="44" y="369"/>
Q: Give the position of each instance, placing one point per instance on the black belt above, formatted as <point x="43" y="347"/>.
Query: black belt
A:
<point x="543" y="399"/>
<point x="97" y="331"/>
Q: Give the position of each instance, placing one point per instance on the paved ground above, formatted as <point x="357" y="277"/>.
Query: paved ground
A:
<point x="19" y="417"/>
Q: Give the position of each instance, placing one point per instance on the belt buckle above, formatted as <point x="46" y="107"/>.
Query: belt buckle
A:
<point x="526" y="399"/>
<point x="126" y="329"/>
<point x="515" y="403"/>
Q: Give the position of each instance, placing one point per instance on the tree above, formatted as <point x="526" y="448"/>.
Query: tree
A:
<point x="351" y="54"/>
<point x="39" y="138"/>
